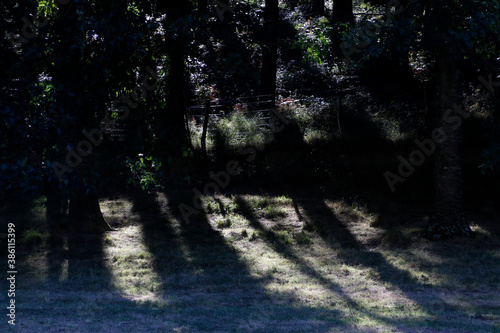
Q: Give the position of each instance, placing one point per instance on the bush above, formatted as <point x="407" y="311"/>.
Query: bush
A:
<point x="239" y="130"/>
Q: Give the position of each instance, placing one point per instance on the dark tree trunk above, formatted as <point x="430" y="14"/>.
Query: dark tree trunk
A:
<point x="177" y="97"/>
<point x="270" y="49"/>
<point x="73" y="91"/>
<point x="174" y="115"/>
<point x="57" y="210"/>
<point x="318" y="8"/>
<point x="85" y="214"/>
<point x="448" y="218"/>
<point x="203" y="6"/>
<point x="342" y="11"/>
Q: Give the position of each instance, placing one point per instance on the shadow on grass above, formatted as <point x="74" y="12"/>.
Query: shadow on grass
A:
<point x="205" y="284"/>
<point x="204" y="276"/>
<point x="351" y="252"/>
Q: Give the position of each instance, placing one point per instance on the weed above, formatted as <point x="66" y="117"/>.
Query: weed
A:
<point x="274" y="213"/>
<point x="303" y="239"/>
<point x="233" y="207"/>
<point x="283" y="200"/>
<point x="213" y="207"/>
<point x="223" y="222"/>
<point x="260" y="203"/>
<point x="282" y="235"/>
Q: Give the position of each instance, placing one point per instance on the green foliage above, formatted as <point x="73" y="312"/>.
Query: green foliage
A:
<point x="282" y="236"/>
<point x="283" y="200"/>
<point x="254" y="236"/>
<point x="274" y="213"/>
<point x="145" y="172"/>
<point x="213" y="206"/>
<point x="313" y="39"/>
<point x="223" y="222"/>
<point x="260" y="202"/>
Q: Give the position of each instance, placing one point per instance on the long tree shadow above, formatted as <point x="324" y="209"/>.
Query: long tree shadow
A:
<point x="73" y="257"/>
<point x="348" y="249"/>
<point x="204" y="274"/>
<point x="60" y="276"/>
<point x="227" y="279"/>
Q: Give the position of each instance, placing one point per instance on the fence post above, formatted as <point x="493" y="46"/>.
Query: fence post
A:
<point x="204" y="133"/>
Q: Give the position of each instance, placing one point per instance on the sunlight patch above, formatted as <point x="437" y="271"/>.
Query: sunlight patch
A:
<point x="131" y="265"/>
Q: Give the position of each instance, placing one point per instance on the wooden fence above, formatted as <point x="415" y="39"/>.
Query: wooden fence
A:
<point x="207" y="113"/>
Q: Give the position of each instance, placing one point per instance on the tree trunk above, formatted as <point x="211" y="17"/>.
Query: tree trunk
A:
<point x="85" y="214"/>
<point x="448" y="219"/>
<point x="342" y="11"/>
<point x="270" y="49"/>
<point x="318" y="8"/>
<point x="78" y="98"/>
<point x="203" y="6"/>
<point x="177" y="104"/>
<point x="174" y="114"/>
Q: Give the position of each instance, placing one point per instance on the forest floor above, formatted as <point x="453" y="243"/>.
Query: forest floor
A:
<point x="279" y="262"/>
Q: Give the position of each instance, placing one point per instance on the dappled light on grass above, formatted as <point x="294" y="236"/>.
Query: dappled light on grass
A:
<point x="255" y="272"/>
<point x="131" y="265"/>
<point x="318" y="275"/>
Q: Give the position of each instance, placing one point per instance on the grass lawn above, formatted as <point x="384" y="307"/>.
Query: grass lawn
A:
<point x="251" y="263"/>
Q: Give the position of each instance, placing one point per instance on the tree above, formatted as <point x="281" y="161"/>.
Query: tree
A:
<point x="342" y="11"/>
<point x="176" y="24"/>
<point x="318" y="8"/>
<point x="450" y="38"/>
<point x="448" y="218"/>
<point x="270" y="49"/>
<point x="87" y="70"/>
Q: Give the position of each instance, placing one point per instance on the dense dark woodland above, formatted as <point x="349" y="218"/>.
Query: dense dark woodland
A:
<point x="392" y="101"/>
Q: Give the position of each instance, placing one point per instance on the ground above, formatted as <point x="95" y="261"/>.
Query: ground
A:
<point x="262" y="262"/>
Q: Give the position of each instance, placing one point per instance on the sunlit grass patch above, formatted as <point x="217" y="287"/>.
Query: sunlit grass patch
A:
<point x="131" y="263"/>
<point x="282" y="200"/>
<point x="264" y="275"/>
<point x="223" y="222"/>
